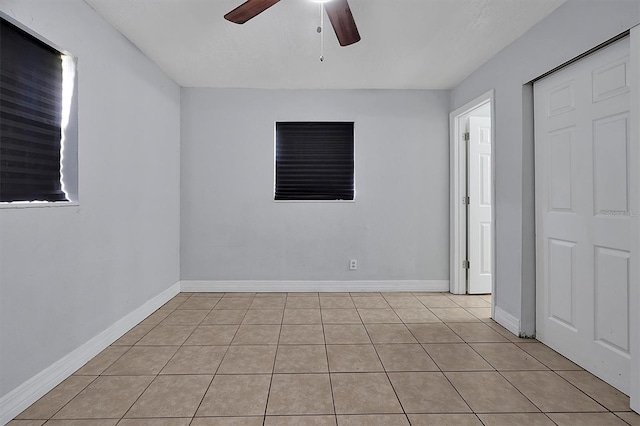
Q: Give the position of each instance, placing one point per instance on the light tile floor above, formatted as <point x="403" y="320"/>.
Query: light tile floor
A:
<point x="328" y="359"/>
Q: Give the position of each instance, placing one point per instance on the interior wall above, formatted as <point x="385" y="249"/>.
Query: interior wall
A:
<point x="68" y="273"/>
<point x="570" y="30"/>
<point x="397" y="228"/>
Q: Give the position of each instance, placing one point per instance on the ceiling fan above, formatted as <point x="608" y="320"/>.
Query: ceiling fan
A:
<point x="338" y="11"/>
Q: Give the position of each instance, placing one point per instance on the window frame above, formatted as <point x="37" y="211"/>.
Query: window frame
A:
<point x="69" y="142"/>
<point x="275" y="147"/>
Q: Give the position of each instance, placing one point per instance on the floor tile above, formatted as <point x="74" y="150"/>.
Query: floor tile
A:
<point x="107" y="397"/>
<point x="175" y="302"/>
<point x="405" y="357"/>
<point x="233" y="295"/>
<point x="156" y="317"/>
<point x="212" y="294"/>
<point x="234" y="303"/>
<point x="483" y="314"/>
<point x="267" y="303"/>
<point x="529" y="419"/>
<point x="454" y="315"/>
<point x="363" y="393"/>
<point x="263" y="316"/>
<point x="340" y="316"/>
<point x="57" y="398"/>
<point x="433" y="333"/>
<point x="195" y="360"/>
<point x="506" y="333"/>
<point x="456" y="357"/>
<point x="206" y="303"/>
<point x="295" y="394"/>
<point x="302" y="294"/>
<point x="469" y="301"/>
<point x="185" y="317"/>
<point x="630" y="417"/>
<point x="406" y="302"/>
<point x="586" y="419"/>
<point x="445" y="420"/>
<point x="302" y="316"/>
<point x="416" y="315"/>
<point x="225" y="316"/>
<point x="339" y="334"/>
<point x="365" y="294"/>
<point x="167" y="335"/>
<point x="477" y="332"/>
<point x="300" y="421"/>
<point x="134" y="335"/>
<point x="272" y="294"/>
<point x="389" y="333"/>
<point x="507" y="356"/>
<point x="239" y="395"/>
<point x="353" y="359"/>
<point x="212" y="335"/>
<point x="227" y="421"/>
<point x="373" y="420"/>
<point x="597" y="389"/>
<point x="256" y="335"/>
<point x="142" y="361"/>
<point x="301" y="359"/>
<point x="336" y="302"/>
<point x="379" y="316"/>
<point x="96" y="422"/>
<point x="248" y="360"/>
<point x="427" y="393"/>
<point x="489" y="392"/>
<point x="377" y="302"/>
<point x="437" y="301"/>
<point x="550" y="392"/>
<point x="548" y="356"/>
<point x="303" y="303"/>
<point x="155" y="422"/>
<point x="15" y="422"/>
<point x="333" y="294"/>
<point x="301" y="335"/>
<point x="102" y="361"/>
<point x="171" y="396"/>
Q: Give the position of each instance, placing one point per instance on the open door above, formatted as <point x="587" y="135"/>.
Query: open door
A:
<point x="479" y="202"/>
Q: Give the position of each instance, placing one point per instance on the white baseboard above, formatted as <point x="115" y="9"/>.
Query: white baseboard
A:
<point x="34" y="388"/>
<point x="314" y="286"/>
<point x="507" y="320"/>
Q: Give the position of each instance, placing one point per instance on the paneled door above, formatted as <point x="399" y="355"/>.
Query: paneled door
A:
<point x="479" y="227"/>
<point x="583" y="217"/>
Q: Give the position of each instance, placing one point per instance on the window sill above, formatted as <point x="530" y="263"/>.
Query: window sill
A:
<point x="38" y="205"/>
<point x="316" y="201"/>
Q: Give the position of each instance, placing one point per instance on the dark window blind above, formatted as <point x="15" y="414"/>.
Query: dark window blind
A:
<point x="30" y="116"/>
<point x="314" y="161"/>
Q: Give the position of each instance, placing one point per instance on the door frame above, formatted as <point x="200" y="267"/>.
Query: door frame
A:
<point x="458" y="211"/>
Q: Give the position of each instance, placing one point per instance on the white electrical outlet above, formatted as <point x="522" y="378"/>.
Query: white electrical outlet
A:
<point x="353" y="264"/>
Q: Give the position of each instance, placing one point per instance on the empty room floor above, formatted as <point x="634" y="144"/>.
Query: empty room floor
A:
<point x="328" y="359"/>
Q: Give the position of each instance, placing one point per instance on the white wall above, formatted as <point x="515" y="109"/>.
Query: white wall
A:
<point x="572" y="29"/>
<point x="397" y="228"/>
<point x="68" y="273"/>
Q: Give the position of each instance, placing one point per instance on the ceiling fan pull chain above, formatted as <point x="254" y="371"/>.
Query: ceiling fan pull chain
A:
<point x="321" y="31"/>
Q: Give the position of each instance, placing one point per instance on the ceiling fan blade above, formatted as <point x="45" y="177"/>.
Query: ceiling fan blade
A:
<point x="342" y="21"/>
<point x="248" y="10"/>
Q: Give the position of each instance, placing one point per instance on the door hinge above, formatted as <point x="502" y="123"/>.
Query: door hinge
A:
<point x="465" y="264"/>
<point x="465" y="200"/>
<point x="466" y="136"/>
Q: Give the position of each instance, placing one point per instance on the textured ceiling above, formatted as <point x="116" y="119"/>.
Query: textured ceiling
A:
<point x="413" y="44"/>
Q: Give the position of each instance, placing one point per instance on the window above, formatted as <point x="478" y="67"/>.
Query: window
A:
<point x="314" y="161"/>
<point x="36" y="89"/>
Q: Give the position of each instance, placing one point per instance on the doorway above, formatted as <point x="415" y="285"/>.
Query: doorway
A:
<point x="472" y="193"/>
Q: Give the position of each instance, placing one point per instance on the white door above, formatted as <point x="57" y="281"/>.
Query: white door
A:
<point x="583" y="217"/>
<point x="479" y="191"/>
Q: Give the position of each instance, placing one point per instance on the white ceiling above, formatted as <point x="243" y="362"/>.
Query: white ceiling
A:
<point x="406" y="44"/>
